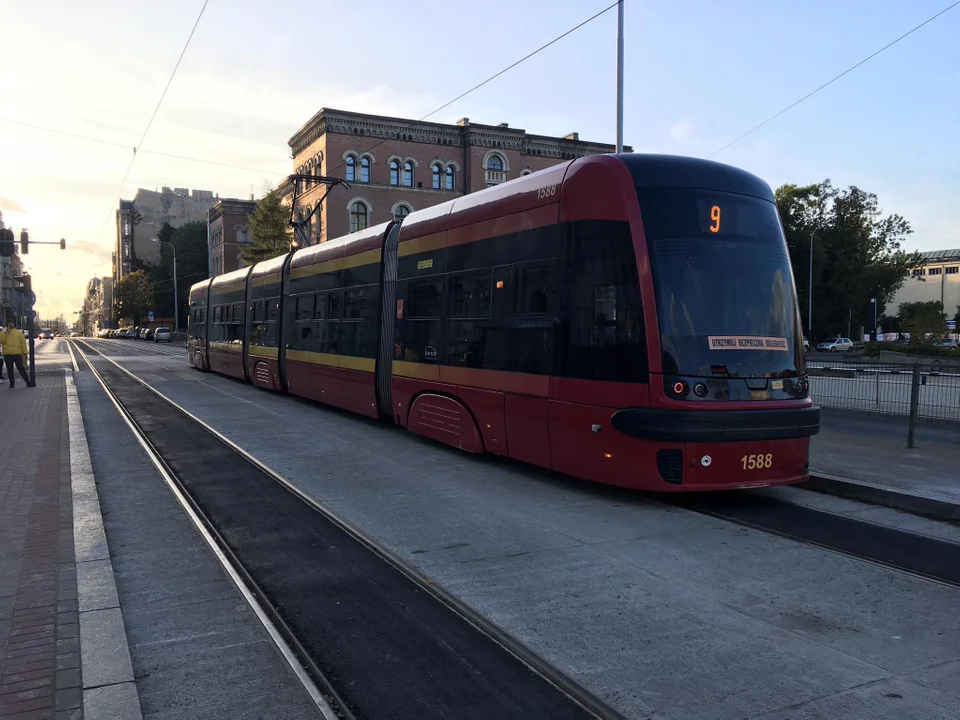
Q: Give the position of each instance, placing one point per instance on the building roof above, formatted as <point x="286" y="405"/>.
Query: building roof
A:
<point x="939" y="256"/>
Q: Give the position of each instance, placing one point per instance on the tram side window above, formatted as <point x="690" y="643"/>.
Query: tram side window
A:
<point x="420" y="332"/>
<point x="603" y="334"/>
<point x="468" y="319"/>
<point x="532" y="334"/>
<point x="358" y="328"/>
<point x="265" y="331"/>
<point x="304" y="338"/>
<point x="329" y="332"/>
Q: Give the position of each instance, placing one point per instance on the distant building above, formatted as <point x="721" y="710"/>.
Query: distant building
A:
<point x="228" y="224"/>
<point x="97" y="311"/>
<point x="396" y="166"/>
<point x="139" y="220"/>
<point x="12" y="302"/>
<point x="938" y="278"/>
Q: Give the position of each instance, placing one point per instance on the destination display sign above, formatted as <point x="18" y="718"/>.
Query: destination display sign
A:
<point x="747" y="342"/>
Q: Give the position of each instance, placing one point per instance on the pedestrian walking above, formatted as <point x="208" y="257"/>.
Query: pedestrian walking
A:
<point x="14" y="347"/>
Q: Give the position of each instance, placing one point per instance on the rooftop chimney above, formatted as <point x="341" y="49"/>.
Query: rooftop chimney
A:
<point x="572" y="136"/>
<point x="504" y="125"/>
<point x="463" y="122"/>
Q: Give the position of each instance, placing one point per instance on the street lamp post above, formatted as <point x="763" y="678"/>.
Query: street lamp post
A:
<point x="176" y="303"/>
<point x="873" y="334"/>
<point x="810" y="294"/>
<point x="620" y="77"/>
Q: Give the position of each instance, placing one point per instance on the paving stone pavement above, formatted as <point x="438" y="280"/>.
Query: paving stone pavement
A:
<point x="39" y="632"/>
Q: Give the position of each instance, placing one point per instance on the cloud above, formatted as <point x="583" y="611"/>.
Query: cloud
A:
<point x="99" y="251"/>
<point x="10" y="205"/>
<point x="682" y="132"/>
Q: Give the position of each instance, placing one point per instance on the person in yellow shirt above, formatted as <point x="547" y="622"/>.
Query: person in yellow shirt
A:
<point x="14" y="346"/>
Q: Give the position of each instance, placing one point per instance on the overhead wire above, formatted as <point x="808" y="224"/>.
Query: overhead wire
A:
<point x="491" y="78"/>
<point x="834" y="79"/>
<point x="152" y="117"/>
<point x="140" y="150"/>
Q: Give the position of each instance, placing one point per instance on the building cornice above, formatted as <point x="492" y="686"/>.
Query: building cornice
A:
<point x="360" y="125"/>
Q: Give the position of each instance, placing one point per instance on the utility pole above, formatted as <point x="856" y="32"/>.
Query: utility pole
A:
<point x="620" y="76"/>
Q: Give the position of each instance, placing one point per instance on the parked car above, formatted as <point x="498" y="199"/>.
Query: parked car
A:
<point x="148" y="334"/>
<point x="948" y="343"/>
<point x="161" y="335"/>
<point x="836" y="345"/>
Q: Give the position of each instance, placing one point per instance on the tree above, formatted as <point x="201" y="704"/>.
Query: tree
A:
<point x="956" y="320"/>
<point x="269" y="229"/>
<point x="856" y="253"/>
<point x="920" y="318"/>
<point x="133" y="297"/>
<point x="190" y="243"/>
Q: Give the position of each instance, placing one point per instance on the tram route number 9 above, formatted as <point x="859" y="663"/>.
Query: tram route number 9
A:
<point x="546" y="192"/>
<point x="757" y="462"/>
<point x="715" y="219"/>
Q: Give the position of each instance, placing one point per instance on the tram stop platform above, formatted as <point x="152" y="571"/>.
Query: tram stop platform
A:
<point x="63" y="649"/>
<point x="867" y="459"/>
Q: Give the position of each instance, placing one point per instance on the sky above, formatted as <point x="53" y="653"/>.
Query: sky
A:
<point x="697" y="75"/>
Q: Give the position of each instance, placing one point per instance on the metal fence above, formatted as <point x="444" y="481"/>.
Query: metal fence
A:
<point x="926" y="393"/>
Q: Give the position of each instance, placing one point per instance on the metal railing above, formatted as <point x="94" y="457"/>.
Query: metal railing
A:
<point x="925" y="393"/>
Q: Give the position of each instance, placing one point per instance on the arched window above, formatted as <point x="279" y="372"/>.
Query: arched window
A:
<point x="495" y="170"/>
<point x="450" y="178"/>
<point x="358" y="216"/>
<point x="351" y="168"/>
<point x="364" y="169"/>
<point x="401" y="211"/>
<point x="394" y="172"/>
<point x="408" y="174"/>
<point x="436" y="177"/>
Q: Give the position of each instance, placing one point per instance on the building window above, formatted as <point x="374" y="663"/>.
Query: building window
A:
<point x="358" y="216"/>
<point x="918" y="272"/>
<point x="364" y="169"/>
<point x="450" y="178"/>
<point x="436" y="177"/>
<point x="408" y="174"/>
<point x="935" y="271"/>
<point x="400" y="211"/>
<point x="351" y="168"/>
<point x="952" y="270"/>
<point x="394" y="172"/>
<point x="495" y="171"/>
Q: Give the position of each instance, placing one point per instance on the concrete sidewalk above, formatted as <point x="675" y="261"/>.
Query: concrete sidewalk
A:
<point x="867" y="459"/>
<point x="59" y="656"/>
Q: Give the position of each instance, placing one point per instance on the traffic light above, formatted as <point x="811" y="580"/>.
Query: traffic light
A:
<point x="6" y="242"/>
<point x="24" y="242"/>
<point x="24" y="281"/>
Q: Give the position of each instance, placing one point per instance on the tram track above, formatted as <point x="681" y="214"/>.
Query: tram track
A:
<point x="901" y="550"/>
<point x="365" y="633"/>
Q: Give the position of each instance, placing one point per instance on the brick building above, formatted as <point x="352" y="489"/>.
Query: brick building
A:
<point x="229" y="230"/>
<point x="396" y="166"/>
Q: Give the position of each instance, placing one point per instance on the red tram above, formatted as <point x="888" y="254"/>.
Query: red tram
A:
<point x="627" y="319"/>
